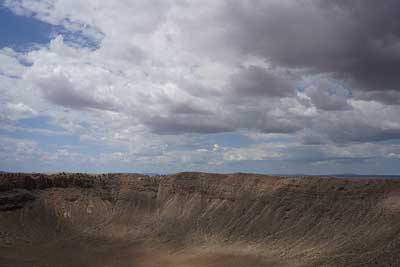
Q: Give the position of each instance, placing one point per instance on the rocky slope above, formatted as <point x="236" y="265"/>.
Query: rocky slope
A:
<point x="197" y="219"/>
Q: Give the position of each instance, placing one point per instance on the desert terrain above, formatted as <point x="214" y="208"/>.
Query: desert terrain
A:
<point x="197" y="220"/>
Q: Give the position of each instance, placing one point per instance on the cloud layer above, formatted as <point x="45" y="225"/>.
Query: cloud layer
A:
<point x="157" y="82"/>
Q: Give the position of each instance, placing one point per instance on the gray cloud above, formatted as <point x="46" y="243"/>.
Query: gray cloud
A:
<point x="61" y="91"/>
<point x="355" y="41"/>
<point x="308" y="137"/>
<point x="391" y="97"/>
<point x="185" y="119"/>
<point x="356" y="131"/>
<point x="255" y="81"/>
<point x="187" y="108"/>
<point x="281" y="126"/>
<point x="351" y="128"/>
<point x="329" y="99"/>
<point x="186" y="124"/>
<point x="324" y="101"/>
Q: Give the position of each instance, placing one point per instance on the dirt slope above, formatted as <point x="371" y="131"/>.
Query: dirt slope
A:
<point x="196" y="220"/>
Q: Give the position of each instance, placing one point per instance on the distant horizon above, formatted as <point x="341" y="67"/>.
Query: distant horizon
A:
<point x="340" y="175"/>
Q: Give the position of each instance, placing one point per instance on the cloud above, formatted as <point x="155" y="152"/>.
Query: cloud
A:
<point x="325" y="95"/>
<point x="390" y="97"/>
<point x="295" y="152"/>
<point x="186" y="124"/>
<point x="59" y="90"/>
<point x="12" y="149"/>
<point x="255" y="81"/>
<point x="352" y="130"/>
<point x="354" y="41"/>
<point x="19" y="110"/>
<point x="10" y="63"/>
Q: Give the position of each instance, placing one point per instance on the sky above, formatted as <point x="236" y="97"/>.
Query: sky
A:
<point x="163" y="86"/>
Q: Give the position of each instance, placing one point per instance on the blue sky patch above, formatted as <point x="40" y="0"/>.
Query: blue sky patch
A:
<point x="39" y="122"/>
<point x="21" y="33"/>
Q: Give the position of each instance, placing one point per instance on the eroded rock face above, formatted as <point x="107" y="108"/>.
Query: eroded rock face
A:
<point x="197" y="219"/>
<point x="15" y="199"/>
